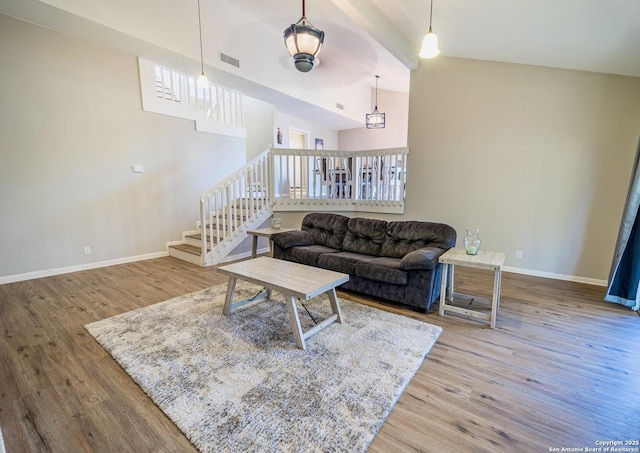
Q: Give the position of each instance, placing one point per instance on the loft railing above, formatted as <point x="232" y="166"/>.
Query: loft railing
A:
<point x="230" y="207"/>
<point x="215" y="108"/>
<point x="299" y="180"/>
<point x="372" y="181"/>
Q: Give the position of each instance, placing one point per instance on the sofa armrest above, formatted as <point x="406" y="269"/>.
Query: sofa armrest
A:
<point x="288" y="239"/>
<point x="425" y="258"/>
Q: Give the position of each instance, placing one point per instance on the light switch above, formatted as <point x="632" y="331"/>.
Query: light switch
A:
<point x="137" y="168"/>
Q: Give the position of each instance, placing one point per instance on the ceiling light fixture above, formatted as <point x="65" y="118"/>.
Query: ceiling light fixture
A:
<point x="203" y="82"/>
<point x="430" y="41"/>
<point x="375" y="119"/>
<point x="303" y="42"/>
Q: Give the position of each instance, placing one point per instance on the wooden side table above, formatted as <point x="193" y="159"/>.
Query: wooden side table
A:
<point x="264" y="232"/>
<point x="483" y="260"/>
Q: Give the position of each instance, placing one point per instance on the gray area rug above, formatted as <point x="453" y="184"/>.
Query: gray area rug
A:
<point x="238" y="382"/>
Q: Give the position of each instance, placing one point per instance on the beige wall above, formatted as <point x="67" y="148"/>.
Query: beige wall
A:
<point x="286" y="122"/>
<point x="539" y="159"/>
<point x="72" y="125"/>
<point x="258" y="115"/>
<point x="395" y="106"/>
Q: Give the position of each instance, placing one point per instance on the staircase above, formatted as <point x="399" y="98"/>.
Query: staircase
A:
<point x="227" y="210"/>
<point x="292" y="180"/>
<point x="190" y="248"/>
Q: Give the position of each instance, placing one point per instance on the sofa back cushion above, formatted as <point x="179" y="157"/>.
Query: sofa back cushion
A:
<point x="365" y="236"/>
<point x="326" y="229"/>
<point x="406" y="236"/>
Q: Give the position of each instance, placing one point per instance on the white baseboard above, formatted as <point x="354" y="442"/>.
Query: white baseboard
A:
<point x="569" y="278"/>
<point x="148" y="256"/>
<point x="77" y="268"/>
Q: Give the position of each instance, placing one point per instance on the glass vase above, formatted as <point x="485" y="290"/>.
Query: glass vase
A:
<point x="276" y="222"/>
<point x="472" y="242"/>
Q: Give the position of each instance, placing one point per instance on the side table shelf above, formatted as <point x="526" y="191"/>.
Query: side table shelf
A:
<point x="483" y="260"/>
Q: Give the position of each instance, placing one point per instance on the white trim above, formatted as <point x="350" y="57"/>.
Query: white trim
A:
<point x="79" y="267"/>
<point x="221" y="129"/>
<point x="551" y="275"/>
<point x="224" y="116"/>
<point x="148" y="256"/>
<point x="2" y="450"/>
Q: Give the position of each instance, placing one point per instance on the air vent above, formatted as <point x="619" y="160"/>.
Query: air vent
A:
<point x="339" y="106"/>
<point x="229" y="60"/>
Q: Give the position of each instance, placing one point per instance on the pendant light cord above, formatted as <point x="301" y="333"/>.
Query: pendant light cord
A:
<point x="303" y="13"/>
<point x="200" y="29"/>
<point x="430" y="15"/>
<point x="377" y="77"/>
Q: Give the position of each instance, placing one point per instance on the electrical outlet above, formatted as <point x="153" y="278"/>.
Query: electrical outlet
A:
<point x="87" y="250"/>
<point x="519" y="254"/>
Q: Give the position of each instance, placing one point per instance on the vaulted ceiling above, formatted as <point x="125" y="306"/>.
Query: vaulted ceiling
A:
<point x="363" y="38"/>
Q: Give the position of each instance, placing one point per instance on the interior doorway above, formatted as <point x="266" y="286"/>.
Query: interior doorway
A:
<point x="298" y="171"/>
<point x="298" y="139"/>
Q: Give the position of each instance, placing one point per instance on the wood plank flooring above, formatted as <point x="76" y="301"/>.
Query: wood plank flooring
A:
<point x="561" y="369"/>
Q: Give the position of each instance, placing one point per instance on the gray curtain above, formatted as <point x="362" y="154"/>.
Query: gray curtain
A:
<point x="624" y="278"/>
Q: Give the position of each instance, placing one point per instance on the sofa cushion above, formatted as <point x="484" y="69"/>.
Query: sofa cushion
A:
<point x="340" y="262"/>
<point x="425" y="258"/>
<point x="288" y="239"/>
<point x="365" y="236"/>
<point x="381" y="269"/>
<point x="406" y="236"/>
<point x="325" y="228"/>
<point x="308" y="254"/>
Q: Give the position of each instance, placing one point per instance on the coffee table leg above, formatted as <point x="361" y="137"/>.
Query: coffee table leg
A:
<point x="335" y="306"/>
<point x="228" y="301"/>
<point x="295" y="321"/>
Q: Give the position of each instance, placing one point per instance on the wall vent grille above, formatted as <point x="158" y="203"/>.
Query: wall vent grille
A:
<point x="229" y="60"/>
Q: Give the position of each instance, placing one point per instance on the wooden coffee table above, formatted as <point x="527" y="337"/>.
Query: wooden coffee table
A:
<point x="291" y="279"/>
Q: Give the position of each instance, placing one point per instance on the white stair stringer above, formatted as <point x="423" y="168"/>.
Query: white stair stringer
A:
<point x="222" y="250"/>
<point x="227" y="210"/>
<point x="190" y="247"/>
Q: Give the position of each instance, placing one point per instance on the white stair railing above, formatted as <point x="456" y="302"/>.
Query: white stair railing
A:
<point x="371" y="181"/>
<point x="214" y="108"/>
<point x="299" y="180"/>
<point x="229" y="208"/>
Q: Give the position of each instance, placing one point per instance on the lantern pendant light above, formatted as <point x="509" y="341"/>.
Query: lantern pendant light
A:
<point x="303" y="42"/>
<point x="375" y="119"/>
<point x="430" y="41"/>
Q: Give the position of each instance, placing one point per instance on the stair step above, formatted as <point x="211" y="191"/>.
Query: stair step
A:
<point x="187" y="249"/>
<point x="209" y="226"/>
<point x="246" y="201"/>
<point x="196" y="239"/>
<point x="233" y="216"/>
<point x="186" y="252"/>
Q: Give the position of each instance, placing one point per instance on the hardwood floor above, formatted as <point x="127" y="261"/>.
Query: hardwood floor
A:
<point x="561" y="369"/>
